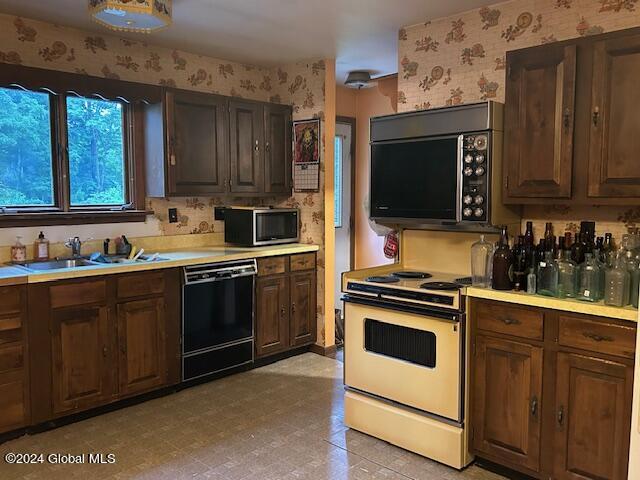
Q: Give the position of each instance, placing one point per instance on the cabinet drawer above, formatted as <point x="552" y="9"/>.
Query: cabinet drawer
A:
<point x="272" y="266"/>
<point x="141" y="285"/>
<point x="519" y="322"/>
<point x="10" y="323"/>
<point x="303" y="261"/>
<point x="597" y="336"/>
<point x="9" y="300"/>
<point x="12" y="401"/>
<point x="11" y="357"/>
<point x="80" y="293"/>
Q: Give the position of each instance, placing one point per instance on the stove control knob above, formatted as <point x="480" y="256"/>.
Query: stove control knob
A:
<point x="467" y="212"/>
<point x="478" y="212"/>
<point x="467" y="199"/>
<point x="478" y="200"/>
<point x="480" y="142"/>
<point x="479" y="158"/>
<point x="468" y="158"/>
<point x="468" y="171"/>
<point x="479" y="171"/>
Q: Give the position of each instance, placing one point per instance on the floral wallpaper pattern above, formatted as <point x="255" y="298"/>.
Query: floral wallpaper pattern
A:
<point x="461" y="59"/>
<point x="39" y="44"/>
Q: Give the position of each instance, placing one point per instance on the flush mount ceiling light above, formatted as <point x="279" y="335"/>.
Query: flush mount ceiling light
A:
<point x="359" y="79"/>
<point x="141" y="16"/>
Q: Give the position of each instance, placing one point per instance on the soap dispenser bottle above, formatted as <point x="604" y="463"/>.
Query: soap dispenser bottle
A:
<point x="41" y="248"/>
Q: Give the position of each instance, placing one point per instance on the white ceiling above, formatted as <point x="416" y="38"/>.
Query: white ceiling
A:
<point x="361" y="34"/>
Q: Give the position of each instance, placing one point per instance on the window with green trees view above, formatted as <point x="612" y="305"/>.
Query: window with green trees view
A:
<point x="95" y="166"/>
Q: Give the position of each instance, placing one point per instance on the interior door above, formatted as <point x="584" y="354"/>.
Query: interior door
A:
<point x="81" y="352"/>
<point x="593" y="412"/>
<point x="198" y="155"/>
<point x="141" y="341"/>
<point x="277" y="149"/>
<point x="343" y="219"/>
<point x="246" y="144"/>
<point x="614" y="168"/>
<point x="506" y="411"/>
<point x="539" y="121"/>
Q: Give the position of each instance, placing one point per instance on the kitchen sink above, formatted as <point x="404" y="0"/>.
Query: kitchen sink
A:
<point x="56" y="264"/>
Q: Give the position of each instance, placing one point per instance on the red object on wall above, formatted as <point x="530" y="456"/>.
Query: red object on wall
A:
<point x="391" y="245"/>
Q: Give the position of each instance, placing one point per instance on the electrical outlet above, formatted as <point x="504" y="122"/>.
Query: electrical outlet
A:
<point x="173" y="215"/>
<point x="218" y="213"/>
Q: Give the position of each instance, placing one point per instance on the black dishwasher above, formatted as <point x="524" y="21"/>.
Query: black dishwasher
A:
<point x="217" y="317"/>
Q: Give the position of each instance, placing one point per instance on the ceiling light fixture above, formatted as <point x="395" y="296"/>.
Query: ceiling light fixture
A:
<point x="359" y="79"/>
<point x="140" y="16"/>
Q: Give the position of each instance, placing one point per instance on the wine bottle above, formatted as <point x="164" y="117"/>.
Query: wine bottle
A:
<point x="502" y="263"/>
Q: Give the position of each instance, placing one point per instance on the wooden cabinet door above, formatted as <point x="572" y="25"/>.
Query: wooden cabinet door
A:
<point x="272" y="315"/>
<point x="246" y="147"/>
<point x="82" y="368"/>
<point x="539" y="120"/>
<point x="277" y="149"/>
<point x="614" y="147"/>
<point x="141" y="345"/>
<point x="507" y="401"/>
<point x="197" y="126"/>
<point x="303" y="308"/>
<point x="593" y="418"/>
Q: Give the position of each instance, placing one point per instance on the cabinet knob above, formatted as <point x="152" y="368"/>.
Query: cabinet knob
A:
<point x="293" y="308"/>
<point x="596" y="116"/>
<point x="104" y="351"/>
<point x="283" y="311"/>
<point x="567" y="117"/>
<point x="257" y="146"/>
<point x="560" y="415"/>
<point x="534" y="406"/>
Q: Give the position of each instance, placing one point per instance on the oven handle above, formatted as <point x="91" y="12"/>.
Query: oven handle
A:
<point x="450" y="317"/>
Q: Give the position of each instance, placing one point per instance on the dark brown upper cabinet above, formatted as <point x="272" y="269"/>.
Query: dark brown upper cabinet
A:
<point x="572" y="133"/>
<point x="196" y="136"/>
<point x="614" y="147"/>
<point x="541" y="86"/>
<point x="277" y="146"/>
<point x="204" y="144"/>
<point x="246" y="142"/>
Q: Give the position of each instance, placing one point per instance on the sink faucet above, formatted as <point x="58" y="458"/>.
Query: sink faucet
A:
<point x="75" y="244"/>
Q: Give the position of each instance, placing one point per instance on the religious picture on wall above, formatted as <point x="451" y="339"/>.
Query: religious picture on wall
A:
<point x="306" y="155"/>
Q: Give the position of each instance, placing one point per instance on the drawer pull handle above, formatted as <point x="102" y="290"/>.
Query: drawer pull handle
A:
<point x="293" y="308"/>
<point x="534" y="406"/>
<point x="560" y="415"/>
<point x="104" y="352"/>
<point x="597" y="338"/>
<point x="510" y="321"/>
<point x="567" y="117"/>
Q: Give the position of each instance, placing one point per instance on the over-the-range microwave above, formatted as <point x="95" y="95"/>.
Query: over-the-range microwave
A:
<point x="253" y="227"/>
<point x="439" y="168"/>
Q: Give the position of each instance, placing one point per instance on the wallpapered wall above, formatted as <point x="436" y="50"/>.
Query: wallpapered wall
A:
<point x="39" y="44"/>
<point x="461" y="59"/>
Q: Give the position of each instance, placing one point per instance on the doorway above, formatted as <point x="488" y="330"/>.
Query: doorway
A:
<point x="344" y="192"/>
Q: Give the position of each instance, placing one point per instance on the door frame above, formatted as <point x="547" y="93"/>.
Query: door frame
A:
<point x="351" y="121"/>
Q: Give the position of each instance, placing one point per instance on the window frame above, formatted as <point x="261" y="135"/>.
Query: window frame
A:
<point x="60" y="85"/>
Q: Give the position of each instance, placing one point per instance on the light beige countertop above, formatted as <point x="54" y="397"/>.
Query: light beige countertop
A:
<point x="567" y="305"/>
<point x="174" y="258"/>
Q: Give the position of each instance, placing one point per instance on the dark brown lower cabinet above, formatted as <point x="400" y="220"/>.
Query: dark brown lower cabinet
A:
<point x="14" y="367"/>
<point x="272" y="315"/>
<point x="285" y="303"/>
<point x="508" y="387"/>
<point x="592" y="418"/>
<point x="141" y="341"/>
<point x="551" y="392"/>
<point x="101" y="339"/>
<point x="303" y="308"/>
<point x="81" y="350"/>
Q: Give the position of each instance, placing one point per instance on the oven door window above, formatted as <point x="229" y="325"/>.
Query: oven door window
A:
<point x="217" y="313"/>
<point x="416" y="179"/>
<point x="395" y="341"/>
<point x="276" y="226"/>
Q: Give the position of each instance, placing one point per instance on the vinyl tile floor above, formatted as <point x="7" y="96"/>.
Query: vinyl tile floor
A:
<point x="279" y="422"/>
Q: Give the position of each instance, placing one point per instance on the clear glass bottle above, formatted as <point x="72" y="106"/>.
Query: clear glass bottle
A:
<point x="589" y="279"/>
<point x="600" y="259"/>
<point x="567" y="276"/>
<point x="617" y="284"/>
<point x="548" y="276"/>
<point x="634" y="278"/>
<point x="481" y="257"/>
